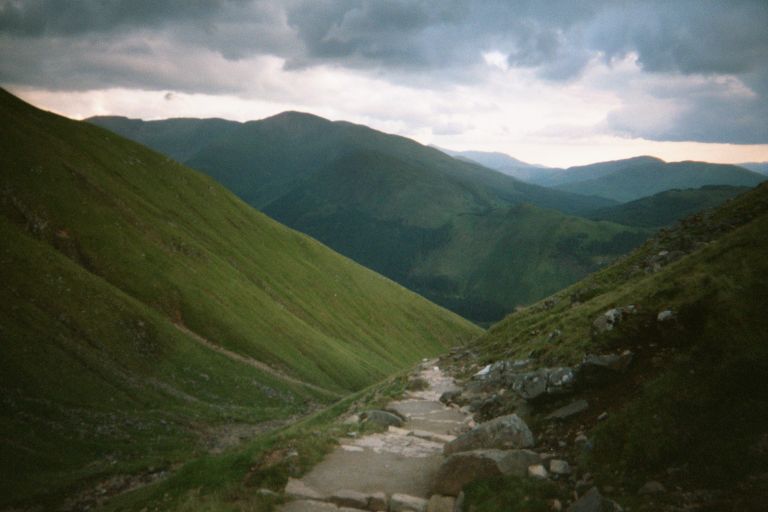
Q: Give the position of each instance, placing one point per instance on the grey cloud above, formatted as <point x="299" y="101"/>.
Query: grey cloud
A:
<point x="97" y="43"/>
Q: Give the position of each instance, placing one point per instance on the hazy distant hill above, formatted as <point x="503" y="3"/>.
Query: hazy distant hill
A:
<point x="503" y="163"/>
<point x="144" y="306"/>
<point x="667" y="207"/>
<point x="633" y="178"/>
<point x="759" y="167"/>
<point x="434" y="223"/>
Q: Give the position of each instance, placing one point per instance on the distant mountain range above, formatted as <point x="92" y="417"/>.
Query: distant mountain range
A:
<point x="758" y="167"/>
<point x="144" y="306"/>
<point x="503" y="163"/>
<point x="627" y="179"/>
<point x="465" y="236"/>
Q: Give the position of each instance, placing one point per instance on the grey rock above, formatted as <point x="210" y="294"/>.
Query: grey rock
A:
<point x="349" y="498"/>
<point x="462" y="468"/>
<point x="542" y="383"/>
<point x="537" y="471"/>
<point x="450" y="397"/>
<point x="593" y="501"/>
<point x="611" y="318"/>
<point x="382" y="418"/>
<point x="377" y="502"/>
<point x="666" y="315"/>
<point x="652" y="487"/>
<point x="504" y="432"/>
<point x="559" y="467"/>
<point x="404" y="502"/>
<point x="569" y="410"/>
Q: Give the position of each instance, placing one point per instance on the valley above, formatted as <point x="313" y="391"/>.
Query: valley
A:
<point x="199" y="337"/>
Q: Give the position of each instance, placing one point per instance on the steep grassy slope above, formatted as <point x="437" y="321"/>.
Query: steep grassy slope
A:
<point x="413" y="213"/>
<point x="145" y="309"/>
<point x="695" y="399"/>
<point x="666" y="207"/>
<point x="632" y="179"/>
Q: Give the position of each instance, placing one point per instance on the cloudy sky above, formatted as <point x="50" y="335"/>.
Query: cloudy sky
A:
<point x="558" y="82"/>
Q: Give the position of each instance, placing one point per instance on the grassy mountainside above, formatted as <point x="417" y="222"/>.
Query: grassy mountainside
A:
<point x="148" y="314"/>
<point x="691" y="410"/>
<point x="666" y="207"/>
<point x="632" y="179"/>
<point x="433" y="223"/>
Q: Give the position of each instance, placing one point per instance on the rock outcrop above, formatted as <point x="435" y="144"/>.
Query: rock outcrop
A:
<point x="505" y="432"/>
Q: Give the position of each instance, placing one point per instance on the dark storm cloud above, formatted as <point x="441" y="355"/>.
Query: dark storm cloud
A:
<point x="91" y="43"/>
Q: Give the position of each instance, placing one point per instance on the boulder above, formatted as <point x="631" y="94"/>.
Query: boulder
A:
<point x="381" y="418"/>
<point x="404" y="502"/>
<point x="559" y="467"/>
<point x="450" y="397"/>
<point x="348" y="498"/>
<point x="542" y="383"/>
<point x="377" y="502"/>
<point x="298" y="490"/>
<point x="666" y="315"/>
<point x="569" y="410"/>
<point x="611" y="318"/>
<point x="462" y="468"/>
<point x="593" y="501"/>
<point x="537" y="471"/>
<point x="503" y="432"/>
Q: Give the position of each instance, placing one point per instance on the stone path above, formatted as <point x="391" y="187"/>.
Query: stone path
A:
<point x="393" y="466"/>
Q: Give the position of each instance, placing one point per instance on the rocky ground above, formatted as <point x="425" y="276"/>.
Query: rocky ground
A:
<point x="512" y="418"/>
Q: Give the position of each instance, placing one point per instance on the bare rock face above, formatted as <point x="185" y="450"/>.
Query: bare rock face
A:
<point x="504" y="432"/>
<point x="465" y="467"/>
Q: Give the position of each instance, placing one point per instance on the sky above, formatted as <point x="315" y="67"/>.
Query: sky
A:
<point x="554" y="82"/>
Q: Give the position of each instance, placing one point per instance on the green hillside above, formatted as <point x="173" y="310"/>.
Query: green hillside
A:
<point x="435" y="224"/>
<point x="695" y="398"/>
<point x="666" y="207"/>
<point x="632" y="179"/>
<point x="148" y="315"/>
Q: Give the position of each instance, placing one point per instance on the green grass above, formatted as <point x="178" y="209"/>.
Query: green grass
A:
<point x="117" y="261"/>
<point x="512" y="494"/>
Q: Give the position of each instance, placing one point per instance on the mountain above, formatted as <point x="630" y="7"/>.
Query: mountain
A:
<point x="666" y="207"/>
<point x="669" y="354"/>
<point x="462" y="235"/>
<point x="758" y="167"/>
<point x="633" y="178"/>
<point x="148" y="315"/>
<point x="503" y="163"/>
